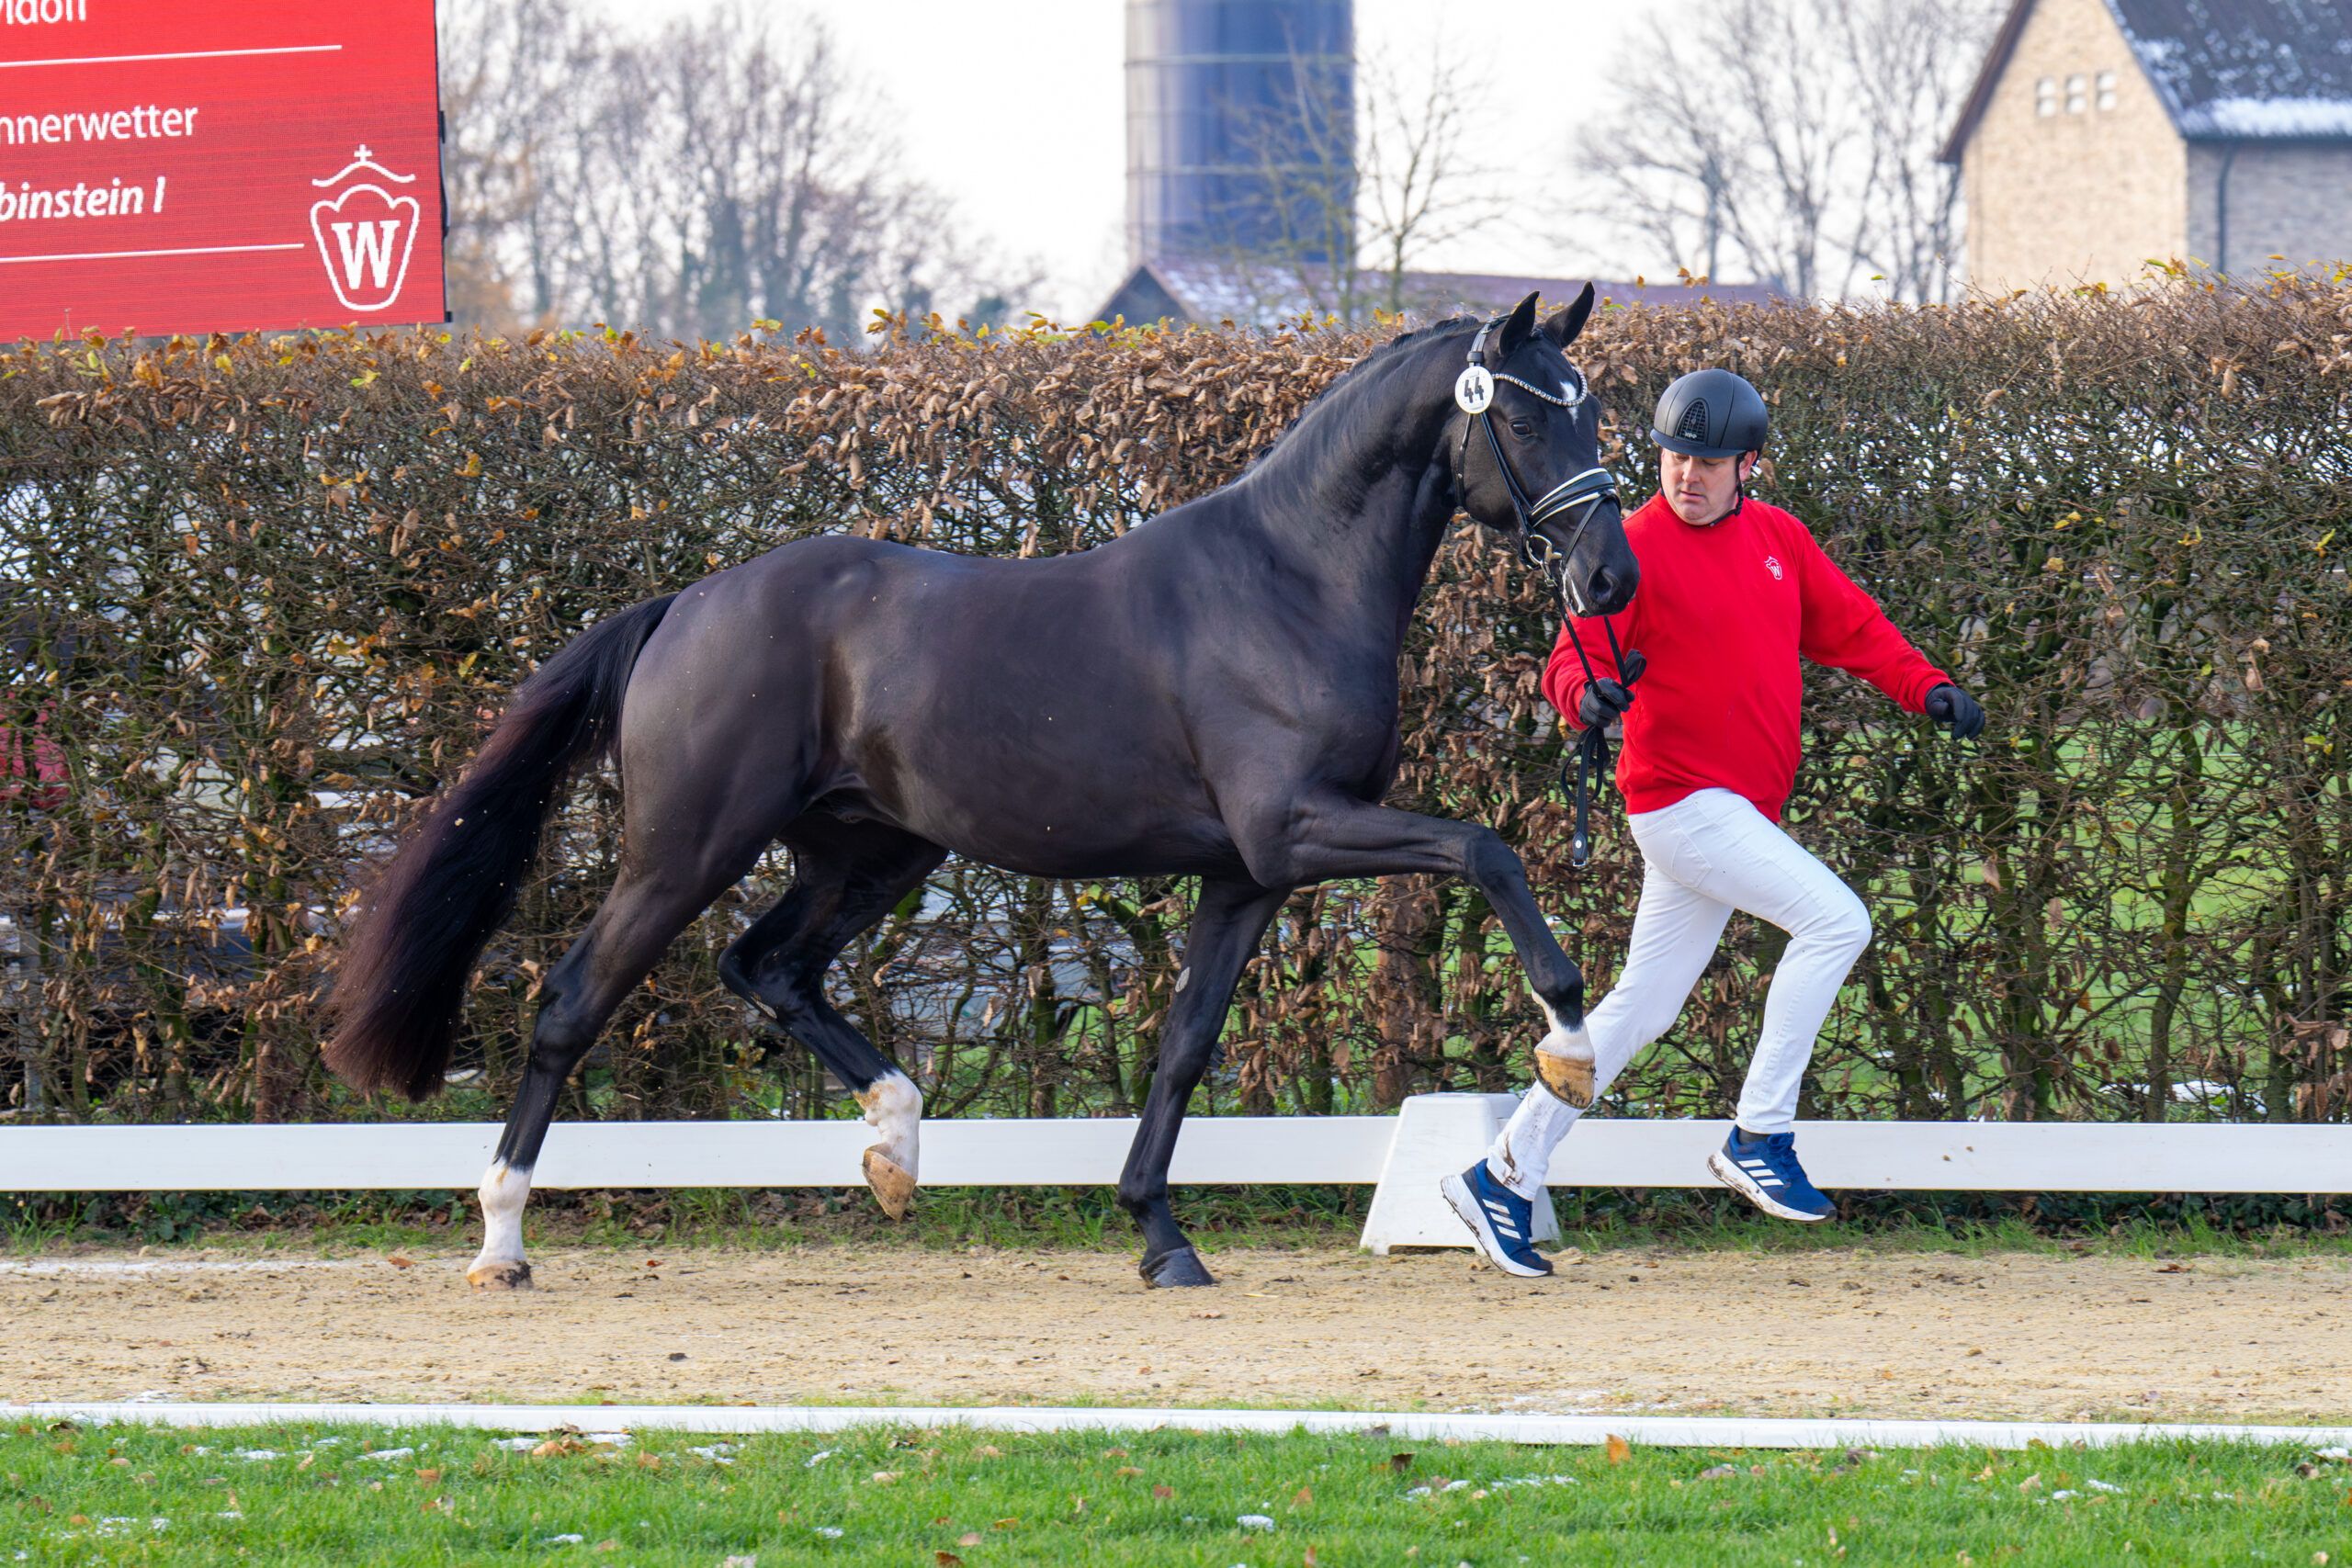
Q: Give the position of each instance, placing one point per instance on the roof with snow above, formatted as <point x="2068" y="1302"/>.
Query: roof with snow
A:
<point x="1192" y="289"/>
<point x="2225" y="70"/>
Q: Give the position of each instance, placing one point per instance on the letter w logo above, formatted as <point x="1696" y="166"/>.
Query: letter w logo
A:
<point x="365" y="236"/>
<point x="367" y="245"/>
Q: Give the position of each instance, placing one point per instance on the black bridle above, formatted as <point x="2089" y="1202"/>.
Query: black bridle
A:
<point x="1474" y="393"/>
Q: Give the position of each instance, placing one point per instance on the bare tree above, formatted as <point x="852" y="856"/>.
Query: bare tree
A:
<point x="507" y="68"/>
<point x="1792" y="139"/>
<point x="726" y="169"/>
<point x="1911" y="63"/>
<point x="1357" y="177"/>
<point x="1421" y="186"/>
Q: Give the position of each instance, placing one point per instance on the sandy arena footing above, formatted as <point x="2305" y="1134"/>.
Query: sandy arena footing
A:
<point x="2009" y="1335"/>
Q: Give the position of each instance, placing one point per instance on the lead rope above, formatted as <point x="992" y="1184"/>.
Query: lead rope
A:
<point x="1592" y="740"/>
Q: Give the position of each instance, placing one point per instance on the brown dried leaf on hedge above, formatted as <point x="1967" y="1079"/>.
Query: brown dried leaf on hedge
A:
<point x="262" y="613"/>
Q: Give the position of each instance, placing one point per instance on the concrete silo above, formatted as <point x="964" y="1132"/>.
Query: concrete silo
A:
<point x="1241" y="128"/>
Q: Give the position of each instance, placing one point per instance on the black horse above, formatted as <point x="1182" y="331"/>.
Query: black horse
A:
<point x="1212" y="695"/>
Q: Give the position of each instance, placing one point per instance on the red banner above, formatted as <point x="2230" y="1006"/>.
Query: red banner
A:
<point x="218" y="165"/>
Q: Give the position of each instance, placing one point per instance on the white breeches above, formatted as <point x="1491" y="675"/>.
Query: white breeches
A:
<point x="1704" y="856"/>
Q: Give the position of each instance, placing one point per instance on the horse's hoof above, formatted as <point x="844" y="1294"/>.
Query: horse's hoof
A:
<point x="501" y="1274"/>
<point x="1569" y="1077"/>
<point x="1174" y="1270"/>
<point x="894" y="1189"/>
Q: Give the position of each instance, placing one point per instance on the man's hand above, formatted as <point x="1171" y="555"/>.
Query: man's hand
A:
<point x="1603" y="700"/>
<point x="1953" y="708"/>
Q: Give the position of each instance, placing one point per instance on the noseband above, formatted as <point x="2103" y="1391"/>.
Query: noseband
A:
<point x="1474" y="393"/>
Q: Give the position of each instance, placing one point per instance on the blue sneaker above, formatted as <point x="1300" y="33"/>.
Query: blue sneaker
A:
<point x="1765" y="1171"/>
<point x="1501" y="1222"/>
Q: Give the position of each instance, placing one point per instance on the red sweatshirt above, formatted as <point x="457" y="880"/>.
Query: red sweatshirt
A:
<point x="1722" y="614"/>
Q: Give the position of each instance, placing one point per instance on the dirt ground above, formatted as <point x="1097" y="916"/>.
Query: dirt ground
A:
<point x="1847" y="1333"/>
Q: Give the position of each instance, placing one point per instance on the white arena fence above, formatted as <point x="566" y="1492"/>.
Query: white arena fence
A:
<point x="1401" y="1157"/>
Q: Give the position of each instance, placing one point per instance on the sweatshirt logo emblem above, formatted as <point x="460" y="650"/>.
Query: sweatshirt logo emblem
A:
<point x="1772" y="565"/>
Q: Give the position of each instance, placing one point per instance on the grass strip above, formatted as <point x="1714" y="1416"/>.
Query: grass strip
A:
<point x="1090" y="1217"/>
<point x="302" y="1493"/>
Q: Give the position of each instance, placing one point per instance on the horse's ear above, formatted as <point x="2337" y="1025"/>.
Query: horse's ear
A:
<point x="1567" y="324"/>
<point x="1517" y="331"/>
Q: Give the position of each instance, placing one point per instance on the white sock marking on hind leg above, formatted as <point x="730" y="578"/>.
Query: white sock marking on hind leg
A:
<point x="504" y="1192"/>
<point x="894" y="1109"/>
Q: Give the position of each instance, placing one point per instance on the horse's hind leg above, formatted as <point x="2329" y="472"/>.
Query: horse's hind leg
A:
<point x="847" y="876"/>
<point x="646" y="909"/>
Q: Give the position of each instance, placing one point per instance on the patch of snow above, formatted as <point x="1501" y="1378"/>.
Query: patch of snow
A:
<point x="2260" y="118"/>
<point x="562" y="1539"/>
<point x="811" y="1462"/>
<point x="2102" y="1486"/>
<point x="257" y="1456"/>
<point x="515" y="1445"/>
<point x="830" y="1532"/>
<point x="1255" y="1522"/>
<point x="388" y="1454"/>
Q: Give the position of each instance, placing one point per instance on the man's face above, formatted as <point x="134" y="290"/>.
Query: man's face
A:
<point x="1702" y="489"/>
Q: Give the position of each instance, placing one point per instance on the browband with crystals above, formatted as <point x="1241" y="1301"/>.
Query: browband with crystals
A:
<point x="1571" y="394"/>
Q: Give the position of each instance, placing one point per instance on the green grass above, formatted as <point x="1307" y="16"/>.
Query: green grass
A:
<point x="934" y="1497"/>
<point x="1089" y="1218"/>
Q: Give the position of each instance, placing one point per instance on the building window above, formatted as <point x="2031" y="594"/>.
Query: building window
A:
<point x="2045" y="97"/>
<point x="2078" y="93"/>
<point x="2106" y="91"/>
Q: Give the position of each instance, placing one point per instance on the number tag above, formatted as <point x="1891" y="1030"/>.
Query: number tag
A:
<point x="1474" y="389"/>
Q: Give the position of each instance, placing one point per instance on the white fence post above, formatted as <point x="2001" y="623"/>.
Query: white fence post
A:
<point x="1437" y="1134"/>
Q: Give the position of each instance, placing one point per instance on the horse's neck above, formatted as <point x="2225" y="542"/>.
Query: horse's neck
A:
<point x="1359" y="507"/>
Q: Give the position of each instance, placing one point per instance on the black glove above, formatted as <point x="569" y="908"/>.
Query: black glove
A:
<point x="1956" y="710"/>
<point x="1603" y="700"/>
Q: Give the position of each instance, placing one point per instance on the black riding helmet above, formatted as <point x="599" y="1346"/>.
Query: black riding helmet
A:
<point x="1711" y="413"/>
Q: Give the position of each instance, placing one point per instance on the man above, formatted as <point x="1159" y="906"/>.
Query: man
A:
<point x="1733" y="593"/>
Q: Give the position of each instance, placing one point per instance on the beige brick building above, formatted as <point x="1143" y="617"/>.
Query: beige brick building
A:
<point x="2105" y="133"/>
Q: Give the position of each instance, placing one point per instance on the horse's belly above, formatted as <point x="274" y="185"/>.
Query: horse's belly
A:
<point x="1048" y="807"/>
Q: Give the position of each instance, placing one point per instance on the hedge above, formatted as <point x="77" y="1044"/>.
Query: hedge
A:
<point x="265" y="593"/>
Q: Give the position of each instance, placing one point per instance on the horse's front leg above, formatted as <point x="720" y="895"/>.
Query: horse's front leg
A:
<point x="1330" y="836"/>
<point x="1228" y="922"/>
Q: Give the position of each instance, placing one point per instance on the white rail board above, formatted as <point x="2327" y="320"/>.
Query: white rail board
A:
<point x="1871" y="1156"/>
<point x="956" y="1152"/>
<point x="1660" y="1431"/>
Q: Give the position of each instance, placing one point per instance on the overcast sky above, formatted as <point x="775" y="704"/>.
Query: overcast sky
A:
<point x="1036" y="162"/>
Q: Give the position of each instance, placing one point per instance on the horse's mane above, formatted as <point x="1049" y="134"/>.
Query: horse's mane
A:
<point x="1394" y="349"/>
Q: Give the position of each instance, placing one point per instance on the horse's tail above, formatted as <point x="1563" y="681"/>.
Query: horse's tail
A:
<point x="402" y="985"/>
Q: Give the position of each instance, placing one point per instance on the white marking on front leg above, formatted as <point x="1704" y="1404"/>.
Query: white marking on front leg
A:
<point x="1550" y="1019"/>
<point x="894" y="1109"/>
<point x="501" y="1266"/>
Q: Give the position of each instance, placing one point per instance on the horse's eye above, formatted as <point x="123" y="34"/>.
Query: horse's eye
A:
<point x="1520" y="427"/>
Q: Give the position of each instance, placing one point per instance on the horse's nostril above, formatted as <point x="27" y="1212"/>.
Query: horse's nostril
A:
<point x="1604" y="587"/>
